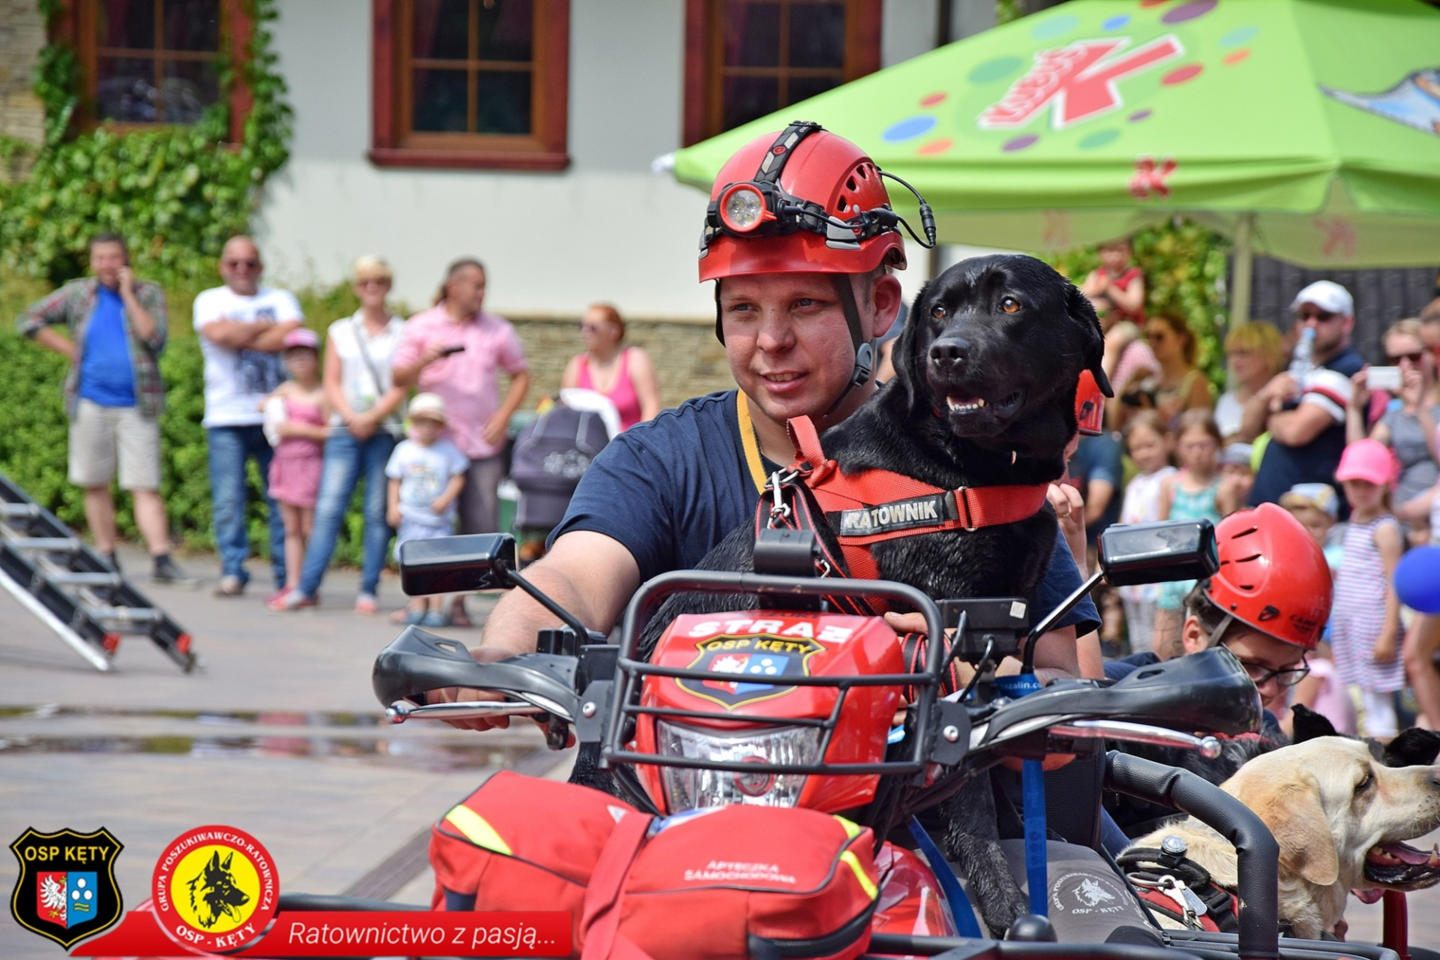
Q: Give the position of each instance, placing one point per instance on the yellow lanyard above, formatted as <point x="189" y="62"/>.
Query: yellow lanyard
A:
<point x="748" y="442"/>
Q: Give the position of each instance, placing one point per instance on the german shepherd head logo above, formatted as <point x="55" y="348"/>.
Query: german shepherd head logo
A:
<point x="213" y="893"/>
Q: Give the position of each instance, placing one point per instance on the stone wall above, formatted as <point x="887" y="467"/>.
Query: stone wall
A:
<point x="689" y="361"/>
<point x="22" y="35"/>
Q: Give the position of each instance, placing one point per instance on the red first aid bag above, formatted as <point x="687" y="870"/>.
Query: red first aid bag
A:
<point x="718" y="884"/>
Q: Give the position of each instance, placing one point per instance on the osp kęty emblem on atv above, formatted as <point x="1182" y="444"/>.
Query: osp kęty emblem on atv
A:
<point x="66" y="890"/>
<point x="755" y="662"/>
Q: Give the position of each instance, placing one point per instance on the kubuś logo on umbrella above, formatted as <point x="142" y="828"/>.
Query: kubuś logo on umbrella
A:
<point x="66" y="890"/>
<point x="215" y="888"/>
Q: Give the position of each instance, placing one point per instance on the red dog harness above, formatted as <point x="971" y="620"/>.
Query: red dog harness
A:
<point x="868" y="507"/>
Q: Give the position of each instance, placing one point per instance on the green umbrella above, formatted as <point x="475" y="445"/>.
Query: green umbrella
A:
<point x="1304" y="129"/>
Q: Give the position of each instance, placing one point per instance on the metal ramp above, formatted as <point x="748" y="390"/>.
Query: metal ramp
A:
<point x="54" y="575"/>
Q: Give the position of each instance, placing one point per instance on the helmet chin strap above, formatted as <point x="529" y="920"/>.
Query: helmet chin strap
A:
<point x="864" y="349"/>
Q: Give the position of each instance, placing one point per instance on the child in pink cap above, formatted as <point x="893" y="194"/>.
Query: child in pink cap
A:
<point x="296" y="414"/>
<point x="1365" y="635"/>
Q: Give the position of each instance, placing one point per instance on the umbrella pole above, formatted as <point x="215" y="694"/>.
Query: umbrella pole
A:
<point x="1240" y="272"/>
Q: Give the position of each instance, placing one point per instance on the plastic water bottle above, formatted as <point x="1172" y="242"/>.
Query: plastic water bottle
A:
<point x="1302" y="361"/>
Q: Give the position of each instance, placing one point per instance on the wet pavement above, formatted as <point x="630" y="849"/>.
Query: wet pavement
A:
<point x="275" y="732"/>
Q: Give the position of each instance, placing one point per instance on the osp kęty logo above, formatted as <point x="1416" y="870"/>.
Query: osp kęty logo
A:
<point x="66" y="890"/>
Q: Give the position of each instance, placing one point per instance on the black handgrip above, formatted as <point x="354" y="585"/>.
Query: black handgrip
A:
<point x="417" y="661"/>
<point x="1207" y="691"/>
<point x="1257" y="851"/>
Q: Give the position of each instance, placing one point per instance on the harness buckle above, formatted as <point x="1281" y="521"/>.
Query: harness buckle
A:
<point x="962" y="510"/>
<point x="1190" y="904"/>
<point x="780" y="510"/>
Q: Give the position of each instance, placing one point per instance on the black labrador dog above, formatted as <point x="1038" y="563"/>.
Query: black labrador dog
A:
<point x="984" y="395"/>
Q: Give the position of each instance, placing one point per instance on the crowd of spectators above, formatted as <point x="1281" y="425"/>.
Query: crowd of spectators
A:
<point x="317" y="418"/>
<point x="1350" y="448"/>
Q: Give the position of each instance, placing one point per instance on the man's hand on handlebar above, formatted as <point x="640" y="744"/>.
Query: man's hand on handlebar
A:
<point x="469" y="694"/>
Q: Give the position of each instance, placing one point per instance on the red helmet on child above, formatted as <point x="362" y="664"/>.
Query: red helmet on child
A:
<point x="1273" y="576"/>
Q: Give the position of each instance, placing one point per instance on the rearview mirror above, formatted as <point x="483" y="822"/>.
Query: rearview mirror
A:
<point x="1158" y="552"/>
<point x="476" y="561"/>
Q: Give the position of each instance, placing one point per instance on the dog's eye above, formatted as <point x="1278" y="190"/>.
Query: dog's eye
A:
<point x="1009" y="304"/>
<point x="938" y="312"/>
<point x="1365" y="784"/>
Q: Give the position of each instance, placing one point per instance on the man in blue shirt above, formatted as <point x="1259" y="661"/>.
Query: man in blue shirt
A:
<point x="114" y="393"/>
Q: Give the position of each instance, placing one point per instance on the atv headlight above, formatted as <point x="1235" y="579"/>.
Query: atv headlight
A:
<point x="687" y="788"/>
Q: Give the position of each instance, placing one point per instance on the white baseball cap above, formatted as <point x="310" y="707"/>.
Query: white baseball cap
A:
<point x="1327" y="295"/>
<point x="428" y="405"/>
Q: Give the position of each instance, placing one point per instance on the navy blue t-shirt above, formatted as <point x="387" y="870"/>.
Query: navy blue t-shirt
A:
<point x="671" y="488"/>
<point x="1100" y="458"/>
<point x="1282" y="467"/>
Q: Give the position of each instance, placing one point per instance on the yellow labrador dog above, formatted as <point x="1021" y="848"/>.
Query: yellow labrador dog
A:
<point x="1340" y="817"/>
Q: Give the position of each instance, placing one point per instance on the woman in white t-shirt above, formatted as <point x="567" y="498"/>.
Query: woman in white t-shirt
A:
<point x="363" y="432"/>
<point x="1254" y="352"/>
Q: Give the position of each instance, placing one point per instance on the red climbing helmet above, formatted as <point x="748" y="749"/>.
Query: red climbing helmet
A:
<point x="800" y="201"/>
<point x="1273" y="576"/>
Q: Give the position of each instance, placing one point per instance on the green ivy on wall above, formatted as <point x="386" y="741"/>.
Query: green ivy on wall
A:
<point x="1184" y="268"/>
<point x="175" y="193"/>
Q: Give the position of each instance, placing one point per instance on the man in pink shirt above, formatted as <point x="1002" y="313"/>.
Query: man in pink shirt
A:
<point x="455" y="349"/>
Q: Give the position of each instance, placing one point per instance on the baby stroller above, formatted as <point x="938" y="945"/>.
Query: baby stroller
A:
<point x="549" y="456"/>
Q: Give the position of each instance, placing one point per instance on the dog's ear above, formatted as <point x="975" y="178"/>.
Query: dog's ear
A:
<point x="1308" y="724"/>
<point x="909" y="369"/>
<point x="1083" y="312"/>
<point x="1413" y="747"/>
<point x="1294" y="815"/>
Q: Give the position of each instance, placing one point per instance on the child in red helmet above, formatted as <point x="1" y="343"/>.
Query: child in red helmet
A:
<point x="1267" y="604"/>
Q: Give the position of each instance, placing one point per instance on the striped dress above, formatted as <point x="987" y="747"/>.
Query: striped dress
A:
<point x="1358" y="615"/>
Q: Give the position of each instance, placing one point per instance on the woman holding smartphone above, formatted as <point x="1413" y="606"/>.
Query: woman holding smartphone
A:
<point x="1407" y="425"/>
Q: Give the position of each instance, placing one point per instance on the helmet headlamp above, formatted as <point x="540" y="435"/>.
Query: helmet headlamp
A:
<point x="743" y="208"/>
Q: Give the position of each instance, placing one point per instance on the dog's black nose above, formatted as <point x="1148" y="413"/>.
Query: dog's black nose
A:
<point x="947" y="353"/>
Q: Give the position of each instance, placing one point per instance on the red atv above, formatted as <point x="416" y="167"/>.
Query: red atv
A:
<point x="794" y="707"/>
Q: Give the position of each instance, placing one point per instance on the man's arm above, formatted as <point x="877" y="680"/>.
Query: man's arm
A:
<point x="145" y="308"/>
<point x="411" y="356"/>
<point x="271" y="336"/>
<point x="1098" y="493"/>
<point x="1298" y="427"/>
<point x="231" y="334"/>
<point x="53" y="339"/>
<point x="38" y="322"/>
<point x="499" y="422"/>
<point x="591" y="575"/>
